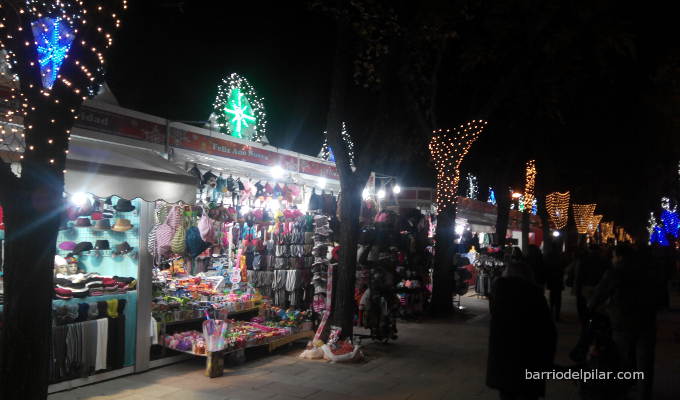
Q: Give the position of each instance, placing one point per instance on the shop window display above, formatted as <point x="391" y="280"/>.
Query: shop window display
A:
<point x="246" y="259"/>
<point x="95" y="298"/>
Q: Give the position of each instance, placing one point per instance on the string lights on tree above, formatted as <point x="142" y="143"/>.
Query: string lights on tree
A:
<point x="594" y="222"/>
<point x="557" y="205"/>
<point x="326" y="152"/>
<point x="583" y="213"/>
<point x="448" y="149"/>
<point x="472" y="187"/>
<point x="238" y="110"/>
<point x="607" y="230"/>
<point x="529" y="184"/>
<point x="63" y="44"/>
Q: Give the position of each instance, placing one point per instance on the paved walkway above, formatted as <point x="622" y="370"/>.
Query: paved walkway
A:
<point x="431" y="360"/>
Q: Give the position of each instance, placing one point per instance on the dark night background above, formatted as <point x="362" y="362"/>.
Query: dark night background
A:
<point x="607" y="132"/>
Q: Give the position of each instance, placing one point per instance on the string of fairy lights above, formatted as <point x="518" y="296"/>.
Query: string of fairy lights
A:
<point x="52" y="36"/>
<point x="557" y="205"/>
<point x="594" y="224"/>
<point x="583" y="214"/>
<point x="529" y="184"/>
<point x="326" y="152"/>
<point x="448" y="149"/>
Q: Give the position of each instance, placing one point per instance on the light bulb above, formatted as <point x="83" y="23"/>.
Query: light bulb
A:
<point x="277" y="172"/>
<point x="396" y="189"/>
<point x="556" y="233"/>
<point x="79" y="198"/>
<point x="381" y="194"/>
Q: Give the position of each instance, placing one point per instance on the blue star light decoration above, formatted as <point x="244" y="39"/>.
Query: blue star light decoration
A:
<point x="492" y="197"/>
<point x="671" y="222"/>
<point x="54" y="38"/>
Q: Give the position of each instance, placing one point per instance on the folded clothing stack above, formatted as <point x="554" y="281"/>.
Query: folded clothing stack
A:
<point x="84" y="285"/>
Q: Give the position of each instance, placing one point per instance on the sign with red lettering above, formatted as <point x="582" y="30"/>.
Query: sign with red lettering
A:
<point x="226" y="148"/>
<point x="318" y="169"/>
<point x="120" y="125"/>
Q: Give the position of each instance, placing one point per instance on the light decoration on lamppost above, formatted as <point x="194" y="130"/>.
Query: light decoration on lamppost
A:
<point x="529" y="185"/>
<point x="238" y="110"/>
<point x="557" y="205"/>
<point x="448" y="149"/>
<point x="582" y="216"/>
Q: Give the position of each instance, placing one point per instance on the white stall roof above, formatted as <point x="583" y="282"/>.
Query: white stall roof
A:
<point x="104" y="169"/>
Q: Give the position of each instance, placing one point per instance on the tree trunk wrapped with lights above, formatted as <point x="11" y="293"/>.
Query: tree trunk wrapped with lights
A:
<point x="56" y="53"/>
<point x="448" y="150"/>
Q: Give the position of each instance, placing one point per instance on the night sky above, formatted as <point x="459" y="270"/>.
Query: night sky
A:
<point x="614" y="143"/>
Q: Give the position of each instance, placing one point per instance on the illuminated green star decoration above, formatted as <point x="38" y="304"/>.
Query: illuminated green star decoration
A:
<point x="241" y="112"/>
<point x="238" y="111"/>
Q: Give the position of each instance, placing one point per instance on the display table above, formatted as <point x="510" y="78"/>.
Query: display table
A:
<point x="214" y="366"/>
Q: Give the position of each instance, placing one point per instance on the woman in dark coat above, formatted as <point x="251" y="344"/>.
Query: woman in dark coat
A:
<point x="522" y="336"/>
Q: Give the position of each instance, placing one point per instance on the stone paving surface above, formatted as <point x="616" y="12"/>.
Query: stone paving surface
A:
<point x="441" y="359"/>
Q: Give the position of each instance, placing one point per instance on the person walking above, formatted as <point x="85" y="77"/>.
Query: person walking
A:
<point x="522" y="335"/>
<point x="555" y="282"/>
<point x="631" y="291"/>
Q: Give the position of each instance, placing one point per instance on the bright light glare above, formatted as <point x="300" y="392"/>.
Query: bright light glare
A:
<point x="364" y="194"/>
<point x="516" y="195"/>
<point x="459" y="229"/>
<point x="277" y="172"/>
<point x="79" y="198"/>
<point x="396" y="189"/>
<point x="245" y="209"/>
<point x="381" y="194"/>
<point x="556" y="233"/>
<point x="274" y="205"/>
<point x="322" y="182"/>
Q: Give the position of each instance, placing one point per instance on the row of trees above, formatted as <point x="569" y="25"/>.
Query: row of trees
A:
<point x="400" y="65"/>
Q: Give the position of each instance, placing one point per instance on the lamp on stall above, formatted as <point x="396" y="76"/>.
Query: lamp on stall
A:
<point x="381" y="193"/>
<point x="277" y="172"/>
<point x="396" y="189"/>
<point x="79" y="198"/>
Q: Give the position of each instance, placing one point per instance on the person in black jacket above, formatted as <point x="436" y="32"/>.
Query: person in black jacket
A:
<point x="631" y="290"/>
<point x="522" y="336"/>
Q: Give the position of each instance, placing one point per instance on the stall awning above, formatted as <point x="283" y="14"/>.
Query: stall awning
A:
<point x="105" y="169"/>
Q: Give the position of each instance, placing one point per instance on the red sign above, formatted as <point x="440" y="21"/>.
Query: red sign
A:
<point x="225" y="148"/>
<point x="120" y="125"/>
<point x="318" y="169"/>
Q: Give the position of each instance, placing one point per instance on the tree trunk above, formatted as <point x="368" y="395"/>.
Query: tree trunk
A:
<point x="526" y="225"/>
<point x="442" y="276"/>
<point x="344" y="306"/>
<point x="503" y="216"/>
<point x="32" y="213"/>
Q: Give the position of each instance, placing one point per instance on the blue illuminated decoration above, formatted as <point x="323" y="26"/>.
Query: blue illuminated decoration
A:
<point x="492" y="197"/>
<point x="534" y="207"/>
<point x="659" y="237"/>
<point x="331" y="156"/>
<point x="54" y="38"/>
<point x="671" y="222"/>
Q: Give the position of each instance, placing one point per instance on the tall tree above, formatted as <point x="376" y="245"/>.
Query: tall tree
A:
<point x="56" y="52"/>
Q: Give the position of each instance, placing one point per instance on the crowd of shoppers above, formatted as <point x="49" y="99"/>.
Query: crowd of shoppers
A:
<point x="618" y="292"/>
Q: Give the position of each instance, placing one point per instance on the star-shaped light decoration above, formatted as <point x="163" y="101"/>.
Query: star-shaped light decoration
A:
<point x="240" y="111"/>
<point x="54" y="38"/>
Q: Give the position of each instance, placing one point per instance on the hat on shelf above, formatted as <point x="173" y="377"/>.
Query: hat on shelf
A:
<point x="82" y="222"/>
<point x="96" y="216"/>
<point x="102" y="245"/>
<point x="68" y="246"/>
<point x="122" y="225"/>
<point x="82" y="246"/>
<point x="123" y="248"/>
<point x="124" y="206"/>
<point x="102" y="225"/>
